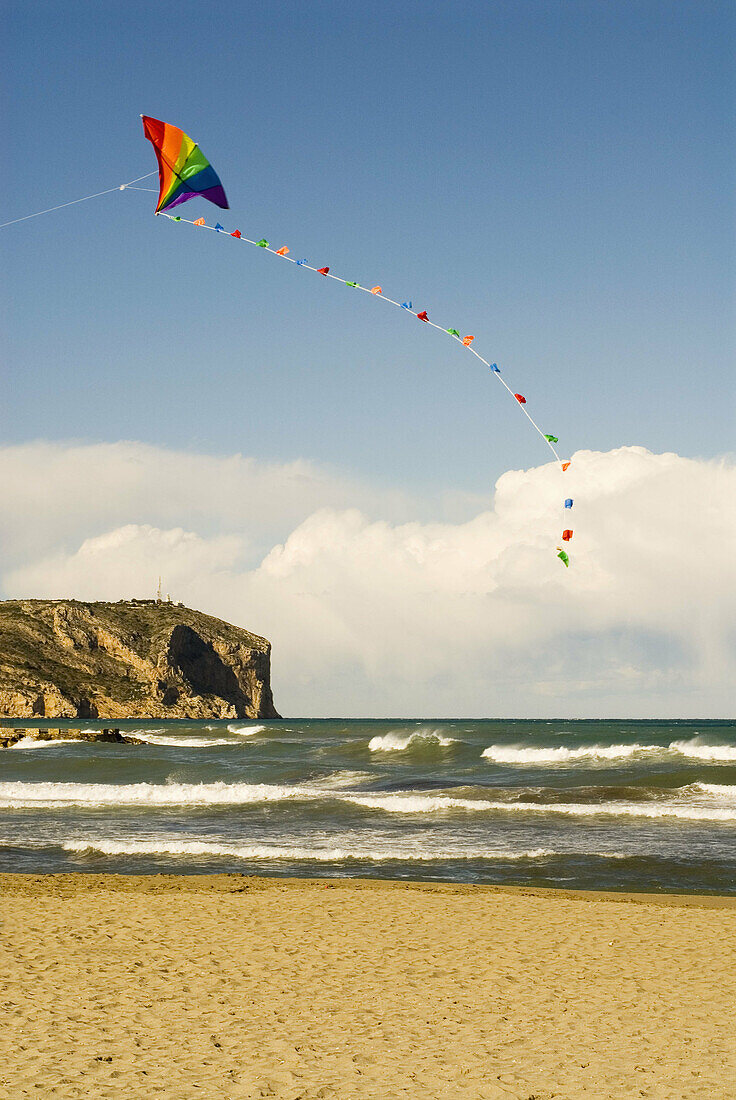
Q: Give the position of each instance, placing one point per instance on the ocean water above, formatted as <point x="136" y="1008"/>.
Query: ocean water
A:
<point x="586" y="804"/>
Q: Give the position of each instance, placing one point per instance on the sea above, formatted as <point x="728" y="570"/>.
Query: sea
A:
<point x="609" y="805"/>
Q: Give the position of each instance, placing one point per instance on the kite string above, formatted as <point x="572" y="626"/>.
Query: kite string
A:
<point x="385" y="298"/>
<point x="120" y="187"/>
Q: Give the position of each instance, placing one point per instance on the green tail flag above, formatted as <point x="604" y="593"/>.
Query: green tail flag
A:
<point x="352" y="284"/>
<point x="454" y="332"/>
<point x="551" y="439"/>
<point x="563" y="558"/>
<point x="263" y="243"/>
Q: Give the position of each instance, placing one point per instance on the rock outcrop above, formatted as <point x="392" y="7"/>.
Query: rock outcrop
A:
<point x="131" y="659"/>
<point x="10" y="737"/>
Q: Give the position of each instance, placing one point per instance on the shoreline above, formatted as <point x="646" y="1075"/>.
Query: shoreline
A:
<point x="80" y="882"/>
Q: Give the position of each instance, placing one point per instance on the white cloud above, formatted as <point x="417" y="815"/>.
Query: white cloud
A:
<point x="54" y="494"/>
<point x="128" y="560"/>
<point x="376" y="617"/>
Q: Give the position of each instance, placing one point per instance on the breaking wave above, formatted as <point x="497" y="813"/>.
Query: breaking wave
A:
<point x="144" y="794"/>
<point x="695" y="749"/>
<point x="184" y="742"/>
<point x="718" y="790"/>
<point x="518" y="754"/>
<point x="278" y="852"/>
<point x="341" y="779"/>
<point x="245" y="731"/>
<point x="32" y="743"/>
<point x="698" y="750"/>
<point x="397" y="742"/>
<point x="697" y="802"/>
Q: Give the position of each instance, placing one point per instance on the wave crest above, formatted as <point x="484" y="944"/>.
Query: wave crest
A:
<point x="398" y="742"/>
<point x="519" y="754"/>
<point x="697" y="802"/>
<point x="698" y="750"/>
<point x="277" y="852"/>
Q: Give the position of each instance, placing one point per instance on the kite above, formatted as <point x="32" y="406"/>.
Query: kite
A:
<point x="183" y="169"/>
<point x="185" y="173"/>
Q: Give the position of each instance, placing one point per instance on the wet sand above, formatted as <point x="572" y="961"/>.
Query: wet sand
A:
<point x="231" y="986"/>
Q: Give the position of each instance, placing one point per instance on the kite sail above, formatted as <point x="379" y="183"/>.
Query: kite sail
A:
<point x="183" y="170"/>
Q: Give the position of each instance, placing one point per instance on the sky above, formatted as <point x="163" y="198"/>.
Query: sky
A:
<point x="556" y="178"/>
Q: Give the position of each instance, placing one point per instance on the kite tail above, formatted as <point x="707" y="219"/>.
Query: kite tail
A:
<point x="421" y="315"/>
<point x="465" y="341"/>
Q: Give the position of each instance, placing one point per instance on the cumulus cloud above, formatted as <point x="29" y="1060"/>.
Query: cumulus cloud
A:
<point x="54" y="494"/>
<point x="372" y="615"/>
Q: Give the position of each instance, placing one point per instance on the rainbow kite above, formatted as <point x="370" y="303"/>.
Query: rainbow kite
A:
<point x="185" y="172"/>
<point x="183" y="169"/>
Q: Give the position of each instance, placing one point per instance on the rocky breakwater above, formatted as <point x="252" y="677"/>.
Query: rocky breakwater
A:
<point x="131" y="659"/>
<point x="10" y="737"/>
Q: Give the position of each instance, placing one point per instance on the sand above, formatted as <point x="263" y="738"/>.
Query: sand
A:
<point x="229" y="986"/>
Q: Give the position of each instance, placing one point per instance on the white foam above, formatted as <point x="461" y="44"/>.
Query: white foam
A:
<point x="22" y="794"/>
<point x="654" y="810"/>
<point x="245" y="731"/>
<point x="185" y="848"/>
<point x="698" y="750"/>
<point x="428" y="803"/>
<point x="338" y="780"/>
<point x="718" y="790"/>
<point x="184" y="742"/>
<point x="397" y="742"/>
<point x="407" y="803"/>
<point x="32" y="743"/>
<point x="518" y="754"/>
<point x="144" y="794"/>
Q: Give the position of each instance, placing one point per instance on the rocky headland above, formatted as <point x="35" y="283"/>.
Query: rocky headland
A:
<point x="131" y="659"/>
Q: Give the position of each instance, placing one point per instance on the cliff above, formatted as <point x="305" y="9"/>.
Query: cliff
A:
<point x="131" y="659"/>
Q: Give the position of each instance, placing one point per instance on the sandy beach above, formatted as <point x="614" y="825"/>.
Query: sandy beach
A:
<point x="232" y="986"/>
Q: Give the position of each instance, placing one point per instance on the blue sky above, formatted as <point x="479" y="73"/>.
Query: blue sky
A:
<point x="556" y="178"/>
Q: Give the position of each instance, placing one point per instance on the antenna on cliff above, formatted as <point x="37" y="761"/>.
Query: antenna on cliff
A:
<point x="158" y="594"/>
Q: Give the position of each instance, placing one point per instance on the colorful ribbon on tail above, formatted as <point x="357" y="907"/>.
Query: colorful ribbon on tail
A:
<point x="422" y="315"/>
